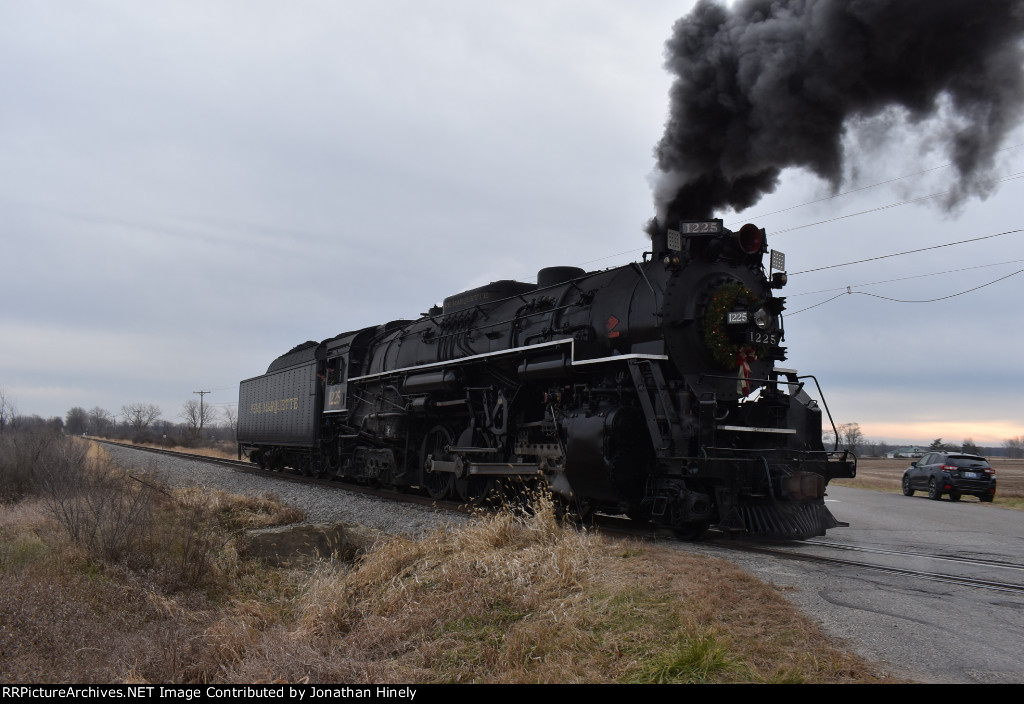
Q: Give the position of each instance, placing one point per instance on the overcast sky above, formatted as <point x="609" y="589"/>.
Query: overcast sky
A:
<point x="189" y="189"/>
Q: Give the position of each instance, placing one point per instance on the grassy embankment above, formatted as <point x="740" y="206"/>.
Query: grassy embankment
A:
<point x="154" y="585"/>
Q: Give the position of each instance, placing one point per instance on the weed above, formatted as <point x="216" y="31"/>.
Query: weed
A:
<point x="96" y="502"/>
<point x="17" y="552"/>
<point x="696" y="659"/>
<point x="22" y="453"/>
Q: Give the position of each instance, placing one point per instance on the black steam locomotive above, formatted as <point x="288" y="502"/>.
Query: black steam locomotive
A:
<point x="649" y="389"/>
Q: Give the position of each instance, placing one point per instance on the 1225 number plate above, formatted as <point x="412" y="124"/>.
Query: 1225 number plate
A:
<point x="762" y="338"/>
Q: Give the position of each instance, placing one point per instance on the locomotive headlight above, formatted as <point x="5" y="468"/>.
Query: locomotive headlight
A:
<point x="762" y="319"/>
<point x="751" y="239"/>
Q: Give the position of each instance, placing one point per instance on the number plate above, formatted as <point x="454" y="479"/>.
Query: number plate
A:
<point x="738" y="317"/>
<point x="762" y="338"/>
<point x="700" y="227"/>
<point x="971" y="475"/>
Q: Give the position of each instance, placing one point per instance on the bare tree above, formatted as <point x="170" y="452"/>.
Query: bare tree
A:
<point x="231" y="420"/>
<point x="7" y="410"/>
<point x="94" y="501"/>
<point x="197" y="416"/>
<point x="1014" y="446"/>
<point x="99" y="420"/>
<point x="881" y="448"/>
<point x="140" y="415"/>
<point x="850" y="436"/>
<point x="77" y="421"/>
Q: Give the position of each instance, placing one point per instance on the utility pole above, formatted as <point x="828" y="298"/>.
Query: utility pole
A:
<point x="202" y="412"/>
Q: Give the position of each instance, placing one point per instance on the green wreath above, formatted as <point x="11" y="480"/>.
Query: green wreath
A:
<point x="723" y="350"/>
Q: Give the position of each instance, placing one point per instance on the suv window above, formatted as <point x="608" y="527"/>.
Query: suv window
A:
<point x="960" y="461"/>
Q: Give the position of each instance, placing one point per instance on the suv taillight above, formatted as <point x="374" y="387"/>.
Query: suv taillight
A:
<point x="949" y="468"/>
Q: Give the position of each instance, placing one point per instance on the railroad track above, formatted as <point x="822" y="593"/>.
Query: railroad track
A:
<point x="945" y="578"/>
<point x="1000" y="564"/>
<point x="184" y="455"/>
<point x="612" y="525"/>
<point x="618" y="526"/>
<point x="250" y="468"/>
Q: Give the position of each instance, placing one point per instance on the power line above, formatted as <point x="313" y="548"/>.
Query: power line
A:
<point x="837" y="195"/>
<point x="861" y="261"/>
<point x="861" y="212"/>
<point x="900" y="300"/>
<point x="909" y="251"/>
<point x="864" y="188"/>
<point x="786" y="230"/>
<point x="910" y="201"/>
<point x="782" y="231"/>
<point x="617" y="254"/>
<point x="829" y="300"/>
<point x="904" y="278"/>
<point x="897" y="204"/>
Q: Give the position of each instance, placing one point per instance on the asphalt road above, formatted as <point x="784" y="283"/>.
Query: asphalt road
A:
<point x="918" y="627"/>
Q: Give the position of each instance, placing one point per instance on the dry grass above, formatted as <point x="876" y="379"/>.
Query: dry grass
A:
<point x="515" y="598"/>
<point x="70" y="614"/>
<point x="512" y="597"/>
<point x="883" y="474"/>
<point x="92" y="592"/>
<point x="221" y="450"/>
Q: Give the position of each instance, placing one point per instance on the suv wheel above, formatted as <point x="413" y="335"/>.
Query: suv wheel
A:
<point x="986" y="498"/>
<point x="907" y="489"/>
<point x="955" y="495"/>
<point x="934" y="493"/>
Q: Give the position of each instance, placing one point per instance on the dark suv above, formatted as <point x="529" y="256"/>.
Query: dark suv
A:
<point x="952" y="473"/>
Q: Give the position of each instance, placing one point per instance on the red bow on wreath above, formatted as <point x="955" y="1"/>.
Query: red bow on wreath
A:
<point x="744" y="357"/>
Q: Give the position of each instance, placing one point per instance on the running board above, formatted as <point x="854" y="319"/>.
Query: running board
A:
<point x="490" y="469"/>
<point x="505" y="469"/>
<point x="747" y="429"/>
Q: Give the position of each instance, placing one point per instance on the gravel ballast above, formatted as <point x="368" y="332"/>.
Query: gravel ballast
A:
<point x="322" y="504"/>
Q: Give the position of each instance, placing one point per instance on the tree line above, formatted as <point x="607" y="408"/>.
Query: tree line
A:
<point x="142" y="422"/>
<point x="850" y="437"/>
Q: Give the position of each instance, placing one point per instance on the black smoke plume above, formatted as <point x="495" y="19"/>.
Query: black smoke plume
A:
<point x="771" y="84"/>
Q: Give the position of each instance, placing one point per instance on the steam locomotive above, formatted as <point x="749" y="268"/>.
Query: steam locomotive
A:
<point x="650" y="390"/>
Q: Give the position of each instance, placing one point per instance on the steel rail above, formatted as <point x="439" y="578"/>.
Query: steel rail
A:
<point x="251" y="468"/>
<point x="917" y="574"/>
<point x="1000" y="564"/>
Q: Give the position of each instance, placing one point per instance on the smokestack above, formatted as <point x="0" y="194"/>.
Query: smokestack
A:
<point x="771" y="84"/>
